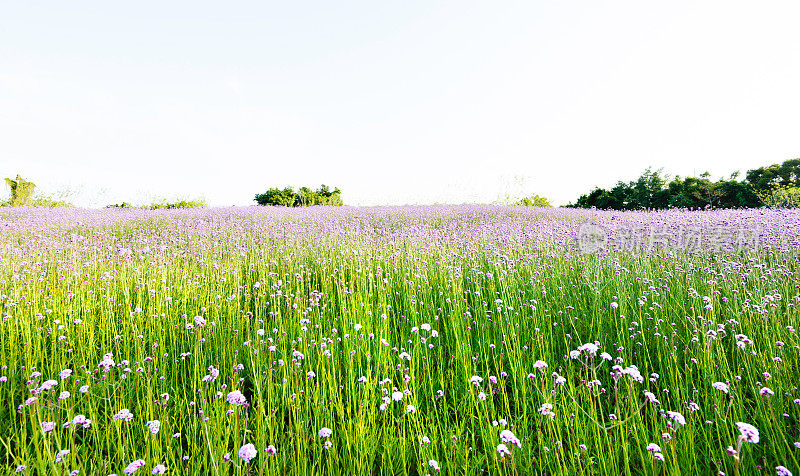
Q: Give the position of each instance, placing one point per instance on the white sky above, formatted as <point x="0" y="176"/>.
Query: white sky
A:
<point x="393" y="102"/>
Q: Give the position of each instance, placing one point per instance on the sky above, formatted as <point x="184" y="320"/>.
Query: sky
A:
<point x="411" y="102"/>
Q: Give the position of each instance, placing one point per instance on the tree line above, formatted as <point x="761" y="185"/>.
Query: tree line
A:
<point x="777" y="185"/>
<point x="303" y="197"/>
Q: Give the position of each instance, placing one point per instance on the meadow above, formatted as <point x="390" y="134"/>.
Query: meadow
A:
<point x="462" y="340"/>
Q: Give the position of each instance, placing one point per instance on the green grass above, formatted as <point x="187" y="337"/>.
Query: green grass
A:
<point x="499" y="286"/>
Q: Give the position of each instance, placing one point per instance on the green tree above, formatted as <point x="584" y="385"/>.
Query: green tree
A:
<point x="652" y="191"/>
<point x="644" y="189"/>
<point x="304" y="197"/>
<point x="21" y="192"/>
<point x="786" y="174"/>
<point x="534" y="201"/>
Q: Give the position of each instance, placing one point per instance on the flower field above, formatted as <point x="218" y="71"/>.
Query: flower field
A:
<point x="415" y="340"/>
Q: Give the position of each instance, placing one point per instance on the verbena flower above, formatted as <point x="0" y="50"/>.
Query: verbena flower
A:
<point x="782" y="471"/>
<point x="721" y="386"/>
<point x="124" y="415"/>
<point x="153" y="426"/>
<point x="236" y="398"/>
<point x="81" y="420"/>
<point x="503" y="450"/>
<point x="748" y="432"/>
<point x="247" y="452"/>
<point x="133" y="466"/>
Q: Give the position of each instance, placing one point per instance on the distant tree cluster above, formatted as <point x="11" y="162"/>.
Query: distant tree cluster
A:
<point x="304" y="197"/>
<point x="776" y="185"/>
<point x="22" y="195"/>
<point x="162" y="204"/>
<point x="533" y="201"/>
<point x="180" y="203"/>
<point x="21" y="192"/>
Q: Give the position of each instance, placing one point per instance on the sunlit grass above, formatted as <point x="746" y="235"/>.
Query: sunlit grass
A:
<point x="343" y="319"/>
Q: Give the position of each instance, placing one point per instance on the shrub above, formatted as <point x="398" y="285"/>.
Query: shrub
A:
<point x="49" y="202"/>
<point x="120" y="205"/>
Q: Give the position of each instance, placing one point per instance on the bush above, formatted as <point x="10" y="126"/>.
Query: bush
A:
<point x="120" y="205"/>
<point x="49" y="202"/>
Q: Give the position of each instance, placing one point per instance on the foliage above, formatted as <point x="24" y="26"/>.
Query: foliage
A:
<point x="49" y="202"/>
<point x="162" y="204"/>
<point x="181" y="203"/>
<point x="120" y="205"/>
<point x="22" y="195"/>
<point x="534" y="201"/>
<point x="781" y="196"/>
<point x="786" y="174"/>
<point x="21" y="192"/>
<point x="304" y="197"/>
<point x="653" y="190"/>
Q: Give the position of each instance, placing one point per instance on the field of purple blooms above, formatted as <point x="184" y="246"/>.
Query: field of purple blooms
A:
<point x="415" y="340"/>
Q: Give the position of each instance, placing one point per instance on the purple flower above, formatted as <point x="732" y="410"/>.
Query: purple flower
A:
<point x="722" y="387"/>
<point x="236" y="398"/>
<point x="153" y="426"/>
<point x="679" y="419"/>
<point x="782" y="471"/>
<point x="247" y="452"/>
<point x="503" y="450"/>
<point x="651" y="397"/>
<point x="124" y="415"/>
<point x="748" y="432"/>
<point x="133" y="467"/>
<point x="506" y="436"/>
<point x="81" y="420"/>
